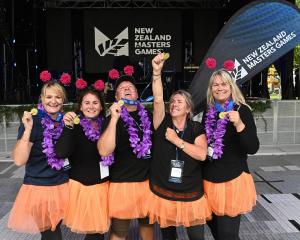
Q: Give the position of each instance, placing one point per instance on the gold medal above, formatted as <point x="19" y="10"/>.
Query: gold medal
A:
<point x="121" y="102"/>
<point x="76" y="120"/>
<point x="166" y="55"/>
<point x="33" y="111"/>
<point x="222" y="115"/>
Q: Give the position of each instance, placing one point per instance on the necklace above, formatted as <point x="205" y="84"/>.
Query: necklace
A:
<point x="140" y="147"/>
<point x="216" y="129"/>
<point x="52" y="131"/>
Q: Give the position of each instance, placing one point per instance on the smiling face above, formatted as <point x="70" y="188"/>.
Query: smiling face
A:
<point x="221" y="90"/>
<point x="178" y="106"/>
<point x="126" y="90"/>
<point x="90" y="106"/>
<point x="52" y="100"/>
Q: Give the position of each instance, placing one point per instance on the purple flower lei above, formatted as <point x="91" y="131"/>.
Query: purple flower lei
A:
<point x="93" y="134"/>
<point x="51" y="133"/>
<point x="140" y="148"/>
<point x="215" y="130"/>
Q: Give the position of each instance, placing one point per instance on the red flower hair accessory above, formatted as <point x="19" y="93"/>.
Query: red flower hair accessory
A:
<point x="65" y="79"/>
<point x="99" y="85"/>
<point x="45" y="76"/>
<point x="228" y="65"/>
<point x="210" y="63"/>
<point x="113" y="74"/>
<point x="128" y="70"/>
<point x="80" y="84"/>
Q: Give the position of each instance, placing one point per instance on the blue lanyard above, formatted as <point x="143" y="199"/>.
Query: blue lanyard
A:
<point x="136" y="102"/>
<point x="43" y="114"/>
<point x="181" y="136"/>
<point x="219" y="107"/>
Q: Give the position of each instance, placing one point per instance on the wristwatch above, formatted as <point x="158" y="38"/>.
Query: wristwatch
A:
<point x="181" y="146"/>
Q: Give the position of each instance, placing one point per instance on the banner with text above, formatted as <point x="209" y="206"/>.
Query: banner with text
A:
<point x="139" y="35"/>
<point x="253" y="38"/>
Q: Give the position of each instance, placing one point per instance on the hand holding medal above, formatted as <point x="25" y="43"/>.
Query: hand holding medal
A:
<point x="71" y="118"/>
<point x="34" y="111"/>
<point x="27" y="119"/>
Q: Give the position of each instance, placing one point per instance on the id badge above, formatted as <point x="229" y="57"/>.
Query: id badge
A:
<point x="210" y="153"/>
<point x="148" y="155"/>
<point x="104" y="170"/>
<point x="176" y="171"/>
<point x="66" y="165"/>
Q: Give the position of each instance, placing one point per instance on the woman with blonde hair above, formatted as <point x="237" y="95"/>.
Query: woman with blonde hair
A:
<point x="43" y="197"/>
<point x="231" y="136"/>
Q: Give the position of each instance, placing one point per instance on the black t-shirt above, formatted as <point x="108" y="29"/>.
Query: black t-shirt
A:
<point x="236" y="147"/>
<point x="127" y="167"/>
<point x="82" y="154"/>
<point x="37" y="170"/>
<point x="191" y="187"/>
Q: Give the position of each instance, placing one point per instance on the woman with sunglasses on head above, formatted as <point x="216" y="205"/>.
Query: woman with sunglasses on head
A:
<point x="231" y="136"/>
<point x="179" y="148"/>
<point x="87" y="211"/>
<point x="43" y="197"/>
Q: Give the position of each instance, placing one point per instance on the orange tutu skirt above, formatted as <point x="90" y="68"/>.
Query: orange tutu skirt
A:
<point x="38" y="208"/>
<point x="233" y="197"/>
<point x="176" y="213"/>
<point x="87" y="211"/>
<point x="128" y="200"/>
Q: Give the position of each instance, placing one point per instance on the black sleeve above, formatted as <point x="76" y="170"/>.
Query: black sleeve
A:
<point x="248" y="137"/>
<point x="198" y="129"/>
<point x="66" y="143"/>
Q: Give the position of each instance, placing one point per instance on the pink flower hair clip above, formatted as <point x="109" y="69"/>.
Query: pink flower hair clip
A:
<point x="82" y="84"/>
<point x="65" y="78"/>
<point x="211" y="63"/>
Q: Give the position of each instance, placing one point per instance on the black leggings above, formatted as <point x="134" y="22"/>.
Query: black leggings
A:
<point x="225" y="227"/>
<point x="52" y="235"/>
<point x="95" y="236"/>
<point x="194" y="233"/>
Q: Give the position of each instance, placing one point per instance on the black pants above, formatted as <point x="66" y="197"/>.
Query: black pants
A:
<point x="96" y="236"/>
<point x="52" y="235"/>
<point x="194" y="233"/>
<point x="225" y="227"/>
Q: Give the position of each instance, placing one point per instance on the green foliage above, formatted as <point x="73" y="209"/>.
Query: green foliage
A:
<point x="259" y="106"/>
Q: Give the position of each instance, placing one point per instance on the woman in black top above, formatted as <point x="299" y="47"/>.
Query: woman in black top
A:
<point x="231" y="135"/>
<point x="127" y="135"/>
<point x="176" y="169"/>
<point x="87" y="211"/>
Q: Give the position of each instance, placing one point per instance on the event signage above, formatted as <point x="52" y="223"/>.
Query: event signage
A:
<point x="254" y="38"/>
<point x="111" y="34"/>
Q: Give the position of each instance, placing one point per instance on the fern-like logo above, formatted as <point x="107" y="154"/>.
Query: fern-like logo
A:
<point x="116" y="47"/>
<point x="238" y="72"/>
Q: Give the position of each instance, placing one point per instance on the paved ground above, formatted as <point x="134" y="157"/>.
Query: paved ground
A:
<point x="276" y="171"/>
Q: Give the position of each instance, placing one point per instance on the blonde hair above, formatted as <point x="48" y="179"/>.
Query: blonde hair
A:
<point x="57" y="87"/>
<point x="188" y="100"/>
<point x="236" y="93"/>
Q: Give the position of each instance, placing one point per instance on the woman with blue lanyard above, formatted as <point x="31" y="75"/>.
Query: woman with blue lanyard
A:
<point x="42" y="200"/>
<point x="87" y="211"/>
<point x="179" y="148"/>
<point x="231" y="135"/>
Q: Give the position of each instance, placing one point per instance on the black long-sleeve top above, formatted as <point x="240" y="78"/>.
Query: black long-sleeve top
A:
<point x="237" y="145"/>
<point x="82" y="154"/>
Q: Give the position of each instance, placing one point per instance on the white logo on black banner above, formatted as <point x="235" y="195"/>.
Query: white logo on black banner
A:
<point x="238" y="72"/>
<point x="117" y="46"/>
